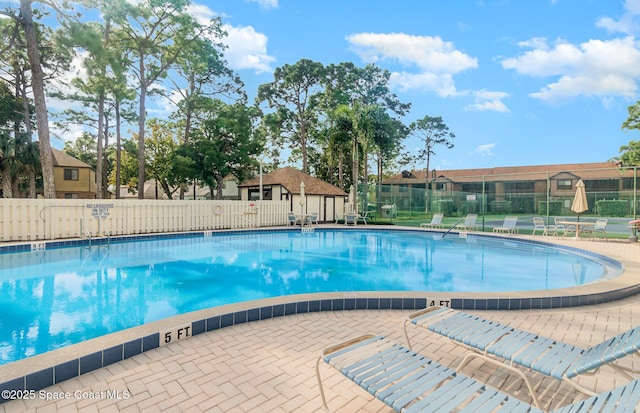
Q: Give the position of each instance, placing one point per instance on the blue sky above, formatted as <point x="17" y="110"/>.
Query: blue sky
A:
<point x="519" y="82"/>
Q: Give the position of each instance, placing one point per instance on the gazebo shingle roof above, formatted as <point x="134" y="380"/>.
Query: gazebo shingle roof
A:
<point x="290" y="179"/>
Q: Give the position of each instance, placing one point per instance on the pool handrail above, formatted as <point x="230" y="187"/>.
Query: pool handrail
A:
<point x="453" y="226"/>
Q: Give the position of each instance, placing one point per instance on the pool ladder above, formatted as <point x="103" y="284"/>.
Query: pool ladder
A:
<point x="85" y="231"/>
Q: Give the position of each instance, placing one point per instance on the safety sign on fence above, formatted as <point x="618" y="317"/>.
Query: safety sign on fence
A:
<point x="100" y="211"/>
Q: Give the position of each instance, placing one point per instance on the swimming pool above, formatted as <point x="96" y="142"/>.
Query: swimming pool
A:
<point x="57" y="297"/>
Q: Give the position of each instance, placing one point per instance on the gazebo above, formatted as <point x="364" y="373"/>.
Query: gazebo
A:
<point x="284" y="184"/>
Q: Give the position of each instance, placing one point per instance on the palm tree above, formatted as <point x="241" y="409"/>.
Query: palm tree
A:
<point x="354" y="124"/>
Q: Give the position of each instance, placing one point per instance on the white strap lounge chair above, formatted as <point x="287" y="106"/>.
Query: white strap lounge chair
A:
<point x="543" y="355"/>
<point x="409" y="382"/>
<point x="469" y="223"/>
<point x="436" y="221"/>
<point x="508" y="226"/>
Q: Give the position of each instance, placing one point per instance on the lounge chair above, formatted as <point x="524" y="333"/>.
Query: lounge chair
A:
<point x="436" y="221"/>
<point x="363" y="217"/>
<point x="469" y="223"/>
<point x="409" y="382"/>
<point x="600" y="227"/>
<point x="508" y="226"/>
<point x="540" y="354"/>
<point x="539" y="225"/>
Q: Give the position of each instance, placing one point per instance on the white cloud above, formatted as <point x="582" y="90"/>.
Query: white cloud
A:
<point x="247" y="49"/>
<point x="627" y="24"/>
<point x="436" y="60"/>
<point x="265" y="4"/>
<point x="601" y="68"/>
<point x="488" y="101"/>
<point x="442" y="84"/>
<point x="484" y="150"/>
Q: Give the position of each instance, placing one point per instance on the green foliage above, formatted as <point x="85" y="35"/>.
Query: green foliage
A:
<point x="293" y="95"/>
<point x="612" y="207"/>
<point x="446" y="206"/>
<point x="226" y="144"/>
<point x="83" y="148"/>
<point x="469" y="207"/>
<point x="555" y="208"/>
<point x="630" y="153"/>
<point x="500" y="207"/>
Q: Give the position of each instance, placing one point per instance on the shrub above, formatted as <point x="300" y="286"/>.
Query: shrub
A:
<point x="612" y="207"/>
<point x="446" y="206"/>
<point x="501" y="207"/>
<point x="555" y="208"/>
<point x="468" y="207"/>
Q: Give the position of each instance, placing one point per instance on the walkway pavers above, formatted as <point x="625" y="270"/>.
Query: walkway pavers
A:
<point x="274" y="371"/>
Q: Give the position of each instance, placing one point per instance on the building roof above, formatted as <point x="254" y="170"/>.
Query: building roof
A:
<point x="598" y="170"/>
<point x="290" y="179"/>
<point x="63" y="159"/>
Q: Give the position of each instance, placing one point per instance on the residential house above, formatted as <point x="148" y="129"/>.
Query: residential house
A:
<point x="73" y="178"/>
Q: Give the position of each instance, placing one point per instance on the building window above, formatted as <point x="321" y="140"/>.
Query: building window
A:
<point x="627" y="183"/>
<point x="519" y="187"/>
<point x="440" y="186"/>
<point x="69" y="195"/>
<point x="472" y="187"/>
<point x="565" y="184"/>
<point x="254" y="194"/>
<point x="601" y="185"/>
<point x="71" y="174"/>
<point x="386" y="188"/>
<point x="403" y="188"/>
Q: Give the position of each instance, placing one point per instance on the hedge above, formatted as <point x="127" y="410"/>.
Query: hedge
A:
<point x="612" y="207"/>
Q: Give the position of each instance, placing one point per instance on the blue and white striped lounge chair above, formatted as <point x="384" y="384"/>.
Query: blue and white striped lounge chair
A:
<point x="410" y="382"/>
<point x="540" y="354"/>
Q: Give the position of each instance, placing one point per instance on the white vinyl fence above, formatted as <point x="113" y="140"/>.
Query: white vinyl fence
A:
<point x="49" y="219"/>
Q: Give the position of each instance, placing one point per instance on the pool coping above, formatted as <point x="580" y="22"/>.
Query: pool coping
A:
<point x="41" y="371"/>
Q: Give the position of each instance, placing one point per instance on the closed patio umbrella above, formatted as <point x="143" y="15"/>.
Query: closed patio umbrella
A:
<point x="302" y="195"/>
<point x="580" y="199"/>
<point x="579" y="204"/>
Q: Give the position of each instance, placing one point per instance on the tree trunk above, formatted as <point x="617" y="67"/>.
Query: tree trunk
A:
<point x="99" y="150"/>
<point x="341" y="171"/>
<point x="37" y="86"/>
<point x="141" y="122"/>
<point x="32" y="184"/>
<point x="7" y="188"/>
<point x="427" y="191"/>
<point x="354" y="178"/>
<point x="118" y="149"/>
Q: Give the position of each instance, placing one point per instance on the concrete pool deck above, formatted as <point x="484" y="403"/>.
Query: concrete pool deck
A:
<point x="268" y="365"/>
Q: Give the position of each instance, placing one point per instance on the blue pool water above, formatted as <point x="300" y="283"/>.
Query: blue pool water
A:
<point x="58" y="297"/>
